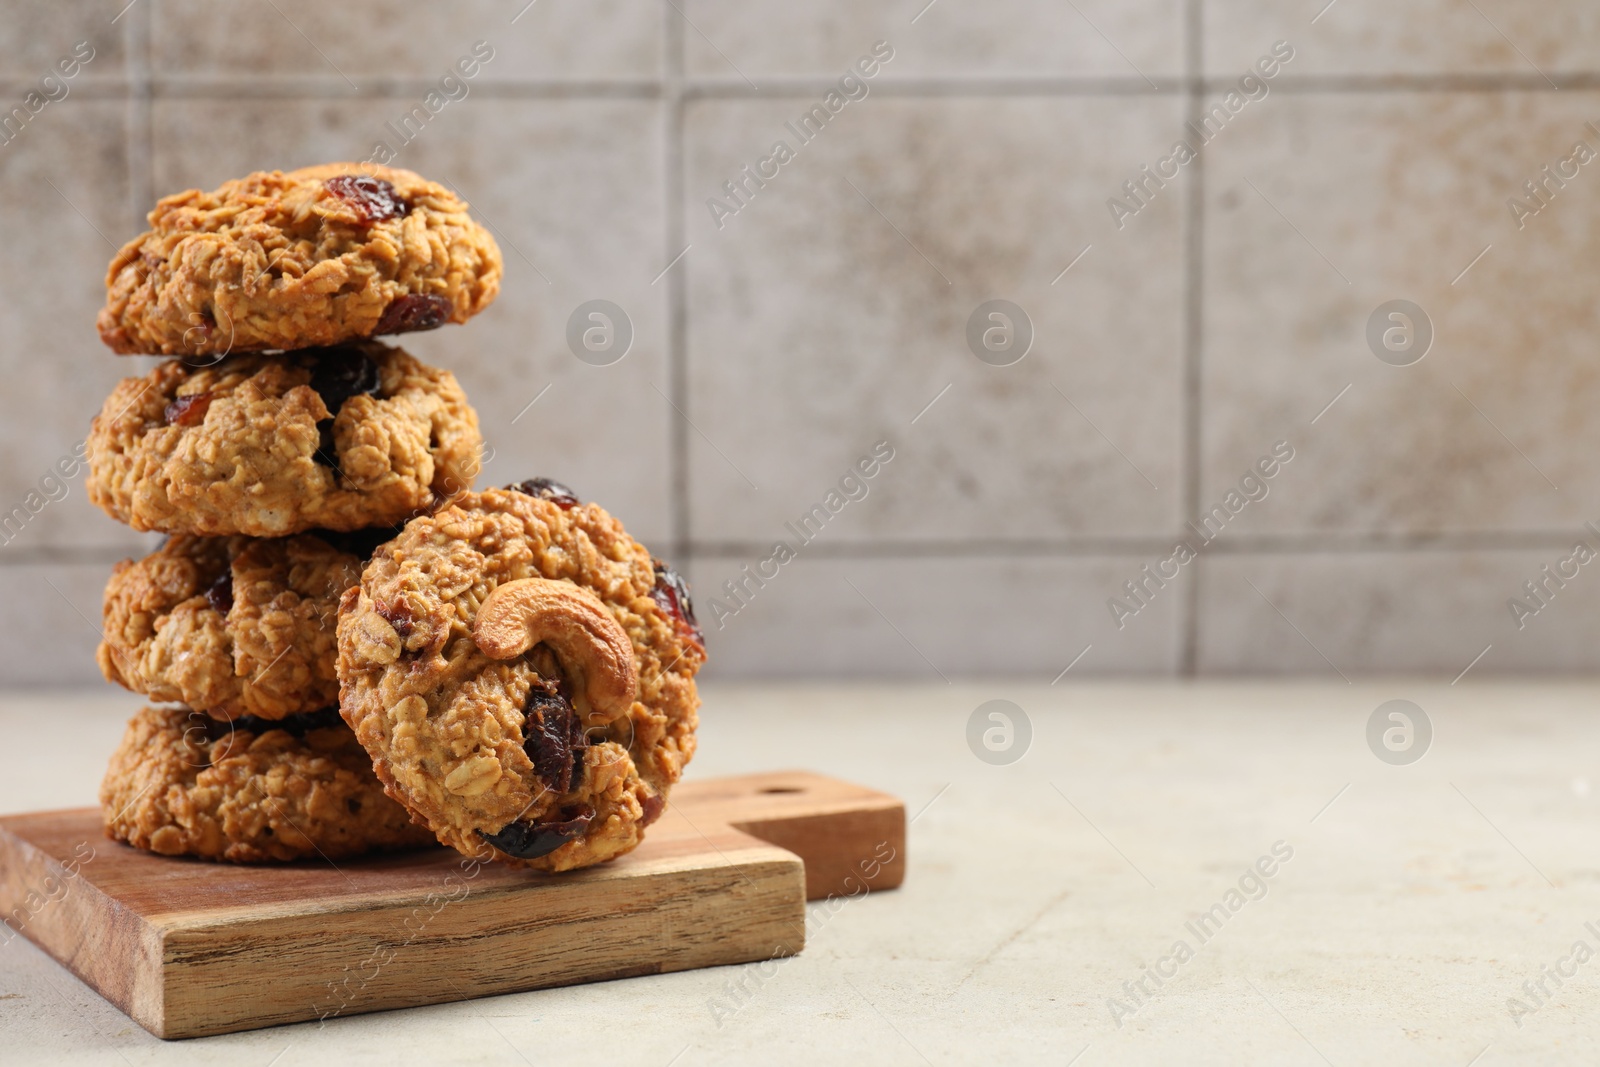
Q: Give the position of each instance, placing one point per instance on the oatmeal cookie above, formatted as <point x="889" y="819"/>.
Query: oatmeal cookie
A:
<point x="313" y="257"/>
<point x="250" y="791"/>
<point x="522" y="673"/>
<point x="268" y="445"/>
<point x="232" y="626"/>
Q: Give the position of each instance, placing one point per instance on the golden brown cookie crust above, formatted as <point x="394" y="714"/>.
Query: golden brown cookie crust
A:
<point x="235" y="448"/>
<point x="283" y="260"/>
<point x="444" y="723"/>
<point x="229" y="626"/>
<point x="183" y="785"/>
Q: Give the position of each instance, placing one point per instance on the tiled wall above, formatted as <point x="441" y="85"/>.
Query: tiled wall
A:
<point x="775" y="346"/>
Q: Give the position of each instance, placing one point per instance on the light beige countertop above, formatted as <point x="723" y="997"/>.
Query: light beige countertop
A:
<point x="1416" y="902"/>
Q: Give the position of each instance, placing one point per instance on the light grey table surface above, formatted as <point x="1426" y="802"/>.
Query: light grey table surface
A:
<point x="1417" y="901"/>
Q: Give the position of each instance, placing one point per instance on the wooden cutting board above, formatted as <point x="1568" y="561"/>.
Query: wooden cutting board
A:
<point x="189" y="948"/>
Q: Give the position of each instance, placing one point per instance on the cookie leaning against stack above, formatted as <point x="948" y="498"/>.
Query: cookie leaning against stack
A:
<point x="279" y="449"/>
<point x="522" y="673"/>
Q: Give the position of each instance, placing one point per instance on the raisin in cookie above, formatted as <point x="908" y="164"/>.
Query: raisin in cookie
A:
<point x="313" y="257"/>
<point x="267" y="445"/>
<point x="232" y="626"/>
<point x="183" y="784"/>
<point x="522" y="673"/>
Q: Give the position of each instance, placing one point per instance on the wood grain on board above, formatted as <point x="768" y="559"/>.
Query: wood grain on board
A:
<point x="189" y="948"/>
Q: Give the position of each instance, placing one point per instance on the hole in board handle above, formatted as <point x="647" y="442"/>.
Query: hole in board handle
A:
<point x="782" y="789"/>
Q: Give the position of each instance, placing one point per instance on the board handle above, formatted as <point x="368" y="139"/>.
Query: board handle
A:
<point x="851" y="838"/>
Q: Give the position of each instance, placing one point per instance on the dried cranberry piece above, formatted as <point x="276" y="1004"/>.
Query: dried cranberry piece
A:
<point x="578" y="752"/>
<point x="294" y="725"/>
<point x="530" y="840"/>
<point x="338" y="375"/>
<point x="397" y="615"/>
<point x="553" y="738"/>
<point x="672" y="593"/>
<point x="220" y="595"/>
<point x="412" y="313"/>
<point x="374" y="199"/>
<point x="651" y="808"/>
<point x="341" y="373"/>
<point x="548" y="489"/>
<point x="188" y="410"/>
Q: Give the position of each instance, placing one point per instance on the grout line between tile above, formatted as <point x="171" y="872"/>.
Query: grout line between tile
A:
<point x="1137" y="546"/>
<point x="676" y="216"/>
<point x="806" y="87"/>
<point x="68" y="556"/>
<point x="1421" y="83"/>
<point x="1132" y="85"/>
<point x="1085" y="547"/>
<point x="1193" y="286"/>
<point x="390" y="88"/>
<point x="377" y="87"/>
<point x="118" y="87"/>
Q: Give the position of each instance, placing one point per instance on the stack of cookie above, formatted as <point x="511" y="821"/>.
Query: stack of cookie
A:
<point x="516" y="672"/>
